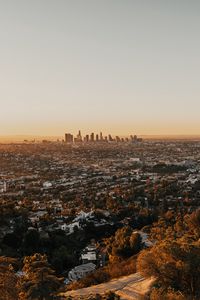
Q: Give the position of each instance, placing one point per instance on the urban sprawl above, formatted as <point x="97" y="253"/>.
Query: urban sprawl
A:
<point x="67" y="198"/>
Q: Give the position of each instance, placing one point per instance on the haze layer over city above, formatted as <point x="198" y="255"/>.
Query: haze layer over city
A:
<point x="100" y="150"/>
<point x="111" y="66"/>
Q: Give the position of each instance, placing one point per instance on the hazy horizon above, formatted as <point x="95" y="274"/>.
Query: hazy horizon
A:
<point x="38" y="138"/>
<point x="122" y="67"/>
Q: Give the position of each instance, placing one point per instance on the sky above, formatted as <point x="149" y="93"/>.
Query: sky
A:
<point x="119" y="66"/>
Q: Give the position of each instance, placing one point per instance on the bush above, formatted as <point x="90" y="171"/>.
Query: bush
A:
<point x="158" y="294"/>
<point x="175" y="265"/>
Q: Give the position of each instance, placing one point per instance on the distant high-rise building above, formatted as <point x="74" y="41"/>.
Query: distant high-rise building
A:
<point x="110" y="138"/>
<point x="101" y="136"/>
<point x="92" y="137"/>
<point x="69" y="138"/>
<point x="117" y="139"/>
<point x="87" y="138"/>
<point x="79" y="137"/>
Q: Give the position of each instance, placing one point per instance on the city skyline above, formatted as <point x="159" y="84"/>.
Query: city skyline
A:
<point x="98" y="137"/>
<point x="117" y="66"/>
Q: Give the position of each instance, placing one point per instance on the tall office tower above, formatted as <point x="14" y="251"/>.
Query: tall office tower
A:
<point x="92" y="137"/>
<point x="117" y="139"/>
<point x="69" y="138"/>
<point x="79" y="137"/>
<point x="87" y="138"/>
<point x="97" y="137"/>
<point x="110" y="138"/>
<point x="101" y="136"/>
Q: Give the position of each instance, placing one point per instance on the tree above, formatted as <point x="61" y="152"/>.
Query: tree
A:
<point x="31" y="241"/>
<point x="39" y="280"/>
<point x="124" y="244"/>
<point x="62" y="259"/>
<point x="193" y="222"/>
<point x="135" y="242"/>
<point x="8" y="279"/>
<point x="158" y="294"/>
<point x="174" y="264"/>
<point x="12" y="240"/>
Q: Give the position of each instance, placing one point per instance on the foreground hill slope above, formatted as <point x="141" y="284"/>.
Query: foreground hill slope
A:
<point x="130" y="287"/>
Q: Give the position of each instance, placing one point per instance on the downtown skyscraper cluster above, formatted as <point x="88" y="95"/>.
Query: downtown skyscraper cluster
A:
<point x="96" y="138"/>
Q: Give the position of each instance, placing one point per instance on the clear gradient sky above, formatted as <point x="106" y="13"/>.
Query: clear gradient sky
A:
<point x="123" y="66"/>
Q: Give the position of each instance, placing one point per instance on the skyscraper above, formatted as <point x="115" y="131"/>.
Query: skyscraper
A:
<point x="118" y="139"/>
<point x="69" y="138"/>
<point x="79" y="137"/>
<point x="110" y="138"/>
<point x="92" y="137"/>
<point x="87" y="138"/>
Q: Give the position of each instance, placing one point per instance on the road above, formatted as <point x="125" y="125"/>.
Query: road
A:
<point x="130" y="287"/>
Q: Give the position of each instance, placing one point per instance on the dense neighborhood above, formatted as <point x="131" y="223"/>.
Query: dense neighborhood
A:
<point x="71" y="202"/>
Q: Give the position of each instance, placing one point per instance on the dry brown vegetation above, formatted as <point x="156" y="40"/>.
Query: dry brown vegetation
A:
<point x="174" y="260"/>
<point x="108" y="296"/>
